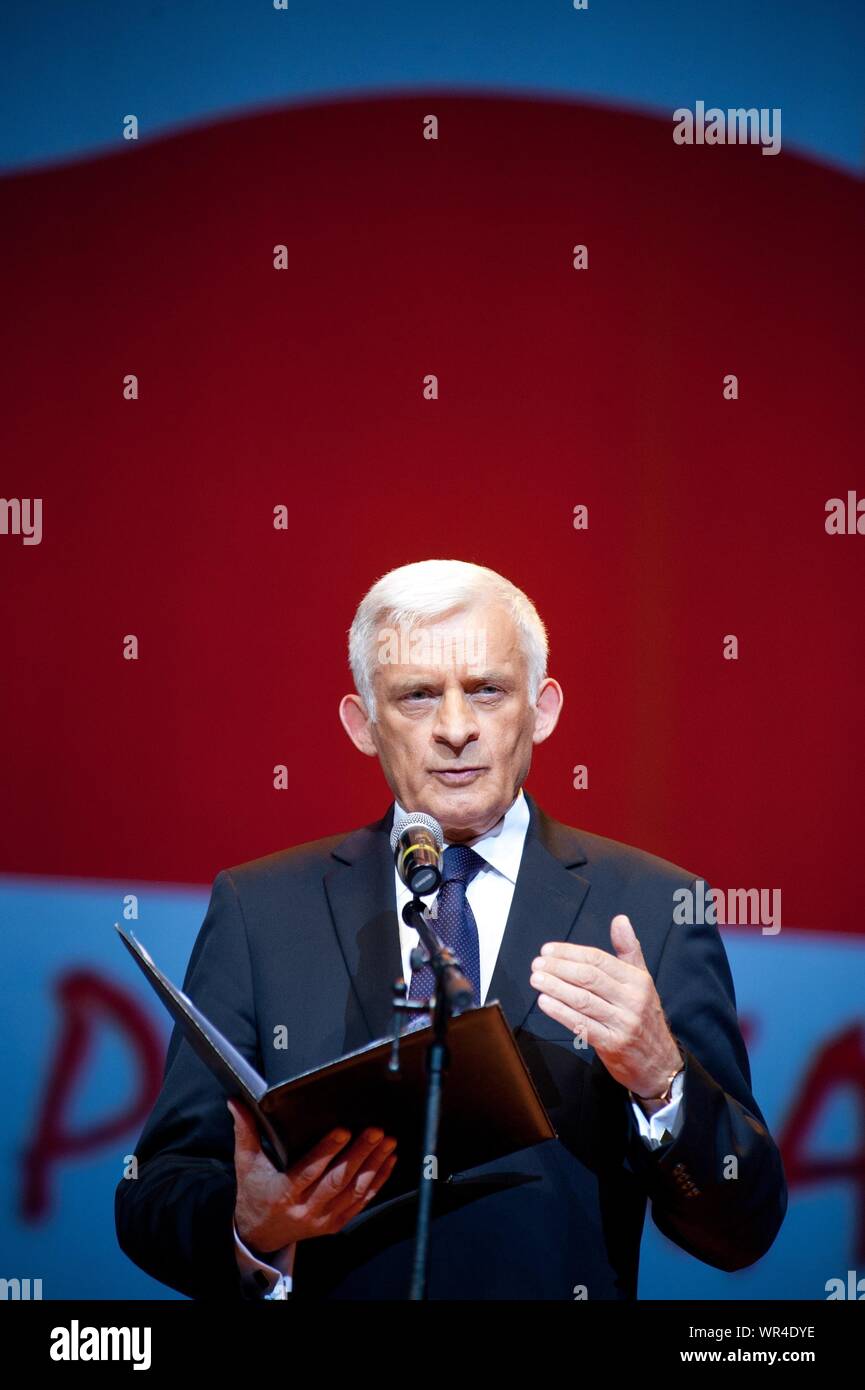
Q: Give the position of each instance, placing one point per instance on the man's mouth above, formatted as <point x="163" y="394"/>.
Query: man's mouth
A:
<point x="457" y="777"/>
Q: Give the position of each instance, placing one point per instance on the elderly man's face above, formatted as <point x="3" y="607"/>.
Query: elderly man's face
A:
<point x="455" y="728"/>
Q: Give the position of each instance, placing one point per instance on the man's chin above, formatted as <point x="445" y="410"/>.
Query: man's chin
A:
<point x="463" y="808"/>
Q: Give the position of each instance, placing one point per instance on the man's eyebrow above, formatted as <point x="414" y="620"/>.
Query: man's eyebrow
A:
<point x="410" y="682"/>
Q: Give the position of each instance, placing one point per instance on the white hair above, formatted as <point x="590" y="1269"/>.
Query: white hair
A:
<point x="430" y="589"/>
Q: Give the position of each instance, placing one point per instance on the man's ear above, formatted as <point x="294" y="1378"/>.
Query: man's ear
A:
<point x="548" y="707"/>
<point x="355" y="721"/>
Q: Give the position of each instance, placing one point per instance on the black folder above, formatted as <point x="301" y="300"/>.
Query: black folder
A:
<point x="490" y="1104"/>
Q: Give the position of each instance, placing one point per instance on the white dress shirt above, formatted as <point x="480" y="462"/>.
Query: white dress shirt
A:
<point x="489" y="894"/>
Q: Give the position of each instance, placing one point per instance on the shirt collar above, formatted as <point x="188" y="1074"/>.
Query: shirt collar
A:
<point x="501" y="847"/>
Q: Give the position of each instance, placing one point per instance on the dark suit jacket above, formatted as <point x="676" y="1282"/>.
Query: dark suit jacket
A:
<point x="309" y="938"/>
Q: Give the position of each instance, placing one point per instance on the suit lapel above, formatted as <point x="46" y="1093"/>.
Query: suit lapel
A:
<point x="361" y="892"/>
<point x="547" y="901"/>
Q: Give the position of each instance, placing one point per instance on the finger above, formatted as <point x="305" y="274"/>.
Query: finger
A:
<point x="590" y="979"/>
<point x="626" y="942"/>
<point x="367" y="1179"/>
<point x="596" y="1034"/>
<point x="342" y="1171"/>
<point x="308" y="1169"/>
<point x="591" y="955"/>
<point x="246" y="1140"/>
<point x="577" y="998"/>
<point x="356" y="1204"/>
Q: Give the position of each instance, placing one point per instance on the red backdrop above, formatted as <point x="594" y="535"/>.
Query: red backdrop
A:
<point x="557" y="387"/>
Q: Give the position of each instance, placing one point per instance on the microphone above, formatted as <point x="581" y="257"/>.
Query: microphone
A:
<point x="417" y="843"/>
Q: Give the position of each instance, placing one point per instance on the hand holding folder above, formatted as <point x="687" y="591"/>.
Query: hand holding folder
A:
<point x="491" y="1106"/>
<point x="274" y="1210"/>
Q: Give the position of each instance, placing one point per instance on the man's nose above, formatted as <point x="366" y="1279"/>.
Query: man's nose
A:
<point x="456" y="723"/>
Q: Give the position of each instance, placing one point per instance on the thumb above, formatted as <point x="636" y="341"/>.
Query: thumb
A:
<point x="246" y="1138"/>
<point x="625" y="942"/>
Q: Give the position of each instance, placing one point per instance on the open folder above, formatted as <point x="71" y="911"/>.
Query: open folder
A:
<point x="490" y="1105"/>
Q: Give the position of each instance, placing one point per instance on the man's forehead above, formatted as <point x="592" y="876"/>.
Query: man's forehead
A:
<point x="482" y="641"/>
<point x="418" y="675"/>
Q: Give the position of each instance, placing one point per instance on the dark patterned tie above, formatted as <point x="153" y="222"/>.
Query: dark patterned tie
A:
<point x="454" y="923"/>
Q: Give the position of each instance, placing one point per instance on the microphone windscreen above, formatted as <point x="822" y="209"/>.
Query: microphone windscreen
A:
<point x="405" y="819"/>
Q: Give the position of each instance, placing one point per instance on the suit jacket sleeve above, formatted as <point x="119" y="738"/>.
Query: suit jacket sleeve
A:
<point x="176" y="1219"/>
<point x="725" y="1213"/>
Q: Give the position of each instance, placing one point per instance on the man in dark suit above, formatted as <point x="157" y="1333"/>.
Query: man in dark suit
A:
<point x="626" y="1020"/>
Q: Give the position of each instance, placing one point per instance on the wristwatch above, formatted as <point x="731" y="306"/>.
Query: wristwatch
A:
<point x="667" y="1093"/>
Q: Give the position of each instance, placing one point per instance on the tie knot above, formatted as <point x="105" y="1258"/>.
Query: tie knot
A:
<point x="460" y="864"/>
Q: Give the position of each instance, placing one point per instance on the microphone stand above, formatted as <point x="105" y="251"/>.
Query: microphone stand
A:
<point x="452" y="991"/>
